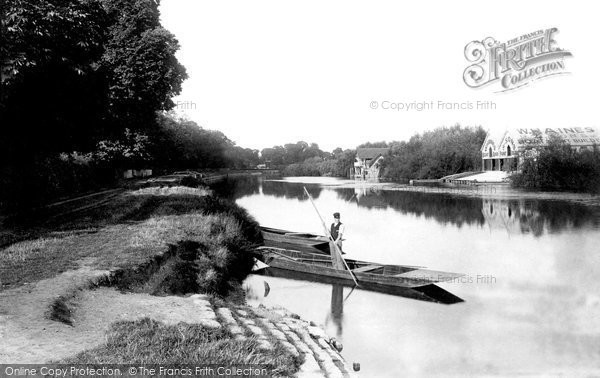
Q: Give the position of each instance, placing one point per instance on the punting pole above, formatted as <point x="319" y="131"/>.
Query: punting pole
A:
<point x="332" y="242"/>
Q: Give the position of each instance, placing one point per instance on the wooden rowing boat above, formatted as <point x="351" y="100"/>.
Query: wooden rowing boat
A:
<point x="427" y="293"/>
<point x="365" y="272"/>
<point x="275" y="237"/>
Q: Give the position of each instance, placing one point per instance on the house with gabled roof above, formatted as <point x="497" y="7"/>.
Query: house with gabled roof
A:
<point x="367" y="164"/>
<point x="505" y="150"/>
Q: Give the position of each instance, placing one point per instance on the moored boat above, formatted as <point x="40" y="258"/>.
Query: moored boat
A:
<point x="427" y="293"/>
<point x="364" y="272"/>
<point x="275" y="236"/>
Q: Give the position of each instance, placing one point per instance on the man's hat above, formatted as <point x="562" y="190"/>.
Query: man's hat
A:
<point x="336" y="215"/>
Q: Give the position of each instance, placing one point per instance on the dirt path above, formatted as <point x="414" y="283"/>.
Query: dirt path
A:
<point x="29" y="337"/>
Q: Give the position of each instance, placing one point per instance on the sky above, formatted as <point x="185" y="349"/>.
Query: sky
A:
<point x="273" y="72"/>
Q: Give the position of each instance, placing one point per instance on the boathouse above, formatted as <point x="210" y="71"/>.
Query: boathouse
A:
<point x="367" y="164"/>
<point x="504" y="151"/>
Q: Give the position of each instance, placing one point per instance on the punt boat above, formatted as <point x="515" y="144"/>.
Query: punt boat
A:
<point x="275" y="236"/>
<point x="366" y="273"/>
<point x="427" y="293"/>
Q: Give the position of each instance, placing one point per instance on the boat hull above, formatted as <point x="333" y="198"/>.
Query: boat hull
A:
<point x="274" y="236"/>
<point x="427" y="293"/>
<point x="365" y="272"/>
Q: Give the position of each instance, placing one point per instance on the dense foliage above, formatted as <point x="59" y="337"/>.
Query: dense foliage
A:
<point x="178" y="143"/>
<point x="337" y="164"/>
<point x="79" y="75"/>
<point x="558" y="166"/>
<point x="303" y="159"/>
<point x="291" y="153"/>
<point x="434" y="154"/>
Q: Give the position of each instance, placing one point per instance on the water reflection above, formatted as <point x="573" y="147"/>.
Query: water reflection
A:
<point x="337" y="308"/>
<point x="290" y="190"/>
<point x="243" y="186"/>
<point x="537" y="217"/>
<point x="341" y="292"/>
<point x="444" y="208"/>
<point x="524" y="216"/>
<point x="237" y="187"/>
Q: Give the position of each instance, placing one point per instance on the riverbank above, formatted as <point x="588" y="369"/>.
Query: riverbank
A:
<point x="119" y="284"/>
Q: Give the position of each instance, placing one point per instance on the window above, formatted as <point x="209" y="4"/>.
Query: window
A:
<point x="507" y="150"/>
<point x="490" y="151"/>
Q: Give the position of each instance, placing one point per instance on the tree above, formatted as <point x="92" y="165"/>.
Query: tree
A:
<point x="143" y="72"/>
<point x="74" y="73"/>
<point x="180" y="143"/>
<point x="434" y="154"/>
<point x="275" y="155"/>
<point x="51" y="84"/>
<point x="381" y="144"/>
<point x="555" y="165"/>
<point x="242" y="158"/>
<point x="36" y="33"/>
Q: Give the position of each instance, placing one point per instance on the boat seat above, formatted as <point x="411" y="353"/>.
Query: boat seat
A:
<point x="367" y="268"/>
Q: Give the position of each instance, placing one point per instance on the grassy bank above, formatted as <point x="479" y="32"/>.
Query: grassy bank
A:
<point x="149" y="342"/>
<point x="153" y="241"/>
<point x="128" y="231"/>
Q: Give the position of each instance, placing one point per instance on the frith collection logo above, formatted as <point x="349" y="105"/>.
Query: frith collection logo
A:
<point x="515" y="63"/>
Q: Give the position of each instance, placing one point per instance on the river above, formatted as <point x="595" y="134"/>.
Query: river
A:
<point x="531" y="293"/>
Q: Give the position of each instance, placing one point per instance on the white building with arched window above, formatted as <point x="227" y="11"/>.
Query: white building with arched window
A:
<point x="503" y="151"/>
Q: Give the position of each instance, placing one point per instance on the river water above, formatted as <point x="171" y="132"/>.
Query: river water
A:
<point x="531" y="290"/>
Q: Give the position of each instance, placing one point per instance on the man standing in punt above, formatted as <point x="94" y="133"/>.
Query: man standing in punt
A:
<point x="337" y="230"/>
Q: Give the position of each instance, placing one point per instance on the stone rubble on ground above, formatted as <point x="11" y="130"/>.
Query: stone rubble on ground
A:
<point x="299" y="337"/>
<point x="206" y="313"/>
<point x="232" y="325"/>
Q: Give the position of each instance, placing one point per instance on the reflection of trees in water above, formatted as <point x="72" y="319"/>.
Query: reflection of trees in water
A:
<point x="346" y="194"/>
<point x="241" y="186"/>
<point x="290" y="190"/>
<point x="537" y="217"/>
<point x="519" y="216"/>
<point x="237" y="187"/>
<point x="441" y="207"/>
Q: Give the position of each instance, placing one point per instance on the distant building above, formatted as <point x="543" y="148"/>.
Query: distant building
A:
<point x="504" y="151"/>
<point x="131" y="173"/>
<point x="265" y="165"/>
<point x="368" y="162"/>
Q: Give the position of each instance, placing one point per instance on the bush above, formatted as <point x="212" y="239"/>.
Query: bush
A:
<point x="249" y="227"/>
<point x="190" y="182"/>
<point x="337" y="166"/>
<point x="434" y="154"/>
<point x="560" y="167"/>
<point x="51" y="178"/>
